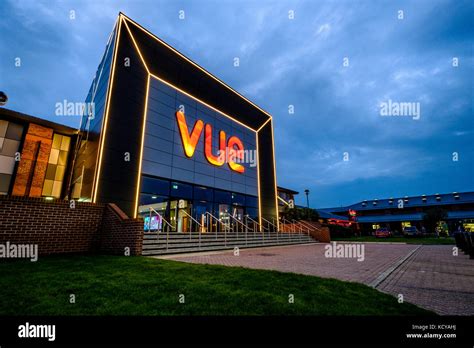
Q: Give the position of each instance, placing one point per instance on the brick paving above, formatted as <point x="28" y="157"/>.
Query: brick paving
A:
<point x="435" y="279"/>
<point x="309" y="259"/>
<point x="431" y="278"/>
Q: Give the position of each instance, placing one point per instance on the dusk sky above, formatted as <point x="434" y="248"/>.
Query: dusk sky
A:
<point x="336" y="143"/>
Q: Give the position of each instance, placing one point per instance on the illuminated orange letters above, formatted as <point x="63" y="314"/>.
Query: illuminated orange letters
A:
<point x="234" y="146"/>
<point x="215" y="160"/>
<point x="235" y="153"/>
<point x="189" y="142"/>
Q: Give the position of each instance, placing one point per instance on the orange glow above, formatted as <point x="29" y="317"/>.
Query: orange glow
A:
<point x="235" y="153"/>
<point x="189" y="142"/>
<point x="215" y="160"/>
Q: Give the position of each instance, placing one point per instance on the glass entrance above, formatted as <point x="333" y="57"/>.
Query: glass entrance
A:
<point x="179" y="215"/>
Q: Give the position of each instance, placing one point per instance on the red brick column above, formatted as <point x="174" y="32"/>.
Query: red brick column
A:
<point x="120" y="232"/>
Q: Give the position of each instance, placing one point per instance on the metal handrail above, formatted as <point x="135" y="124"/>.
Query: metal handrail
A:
<point x="255" y="223"/>
<point x="188" y="215"/>
<point x="295" y="222"/>
<point x="301" y="226"/>
<point x="213" y="218"/>
<point x="269" y="223"/>
<point x="162" y="218"/>
<point x="190" y="229"/>
<point x="238" y="222"/>
<point x="285" y="222"/>
<point x="309" y="226"/>
<point x="166" y="222"/>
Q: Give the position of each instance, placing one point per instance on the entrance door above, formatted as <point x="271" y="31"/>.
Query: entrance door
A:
<point x="180" y="211"/>
<point x="238" y="213"/>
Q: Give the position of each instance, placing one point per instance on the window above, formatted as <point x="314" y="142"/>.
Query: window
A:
<point x="203" y="193"/>
<point x="222" y="197"/>
<point x="238" y="199"/>
<point x="180" y="190"/>
<point x="10" y="136"/>
<point x="251" y="201"/>
<point x="155" y="186"/>
<point x="56" y="168"/>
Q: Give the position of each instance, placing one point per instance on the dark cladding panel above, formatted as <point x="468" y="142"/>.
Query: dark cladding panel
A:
<point x="267" y="176"/>
<point x="163" y="144"/>
<point x="173" y="68"/>
<point x="122" y="143"/>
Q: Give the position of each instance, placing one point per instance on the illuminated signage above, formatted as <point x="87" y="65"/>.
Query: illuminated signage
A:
<point x="232" y="150"/>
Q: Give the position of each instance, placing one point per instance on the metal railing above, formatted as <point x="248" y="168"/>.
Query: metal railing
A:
<point x="284" y="229"/>
<point x="238" y="223"/>
<point x="191" y="226"/>
<point x="275" y="228"/>
<point x="209" y="223"/>
<point x="167" y="224"/>
<point x="255" y="224"/>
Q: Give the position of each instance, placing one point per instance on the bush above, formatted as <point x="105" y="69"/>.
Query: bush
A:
<point x="337" y="231"/>
<point x="301" y="214"/>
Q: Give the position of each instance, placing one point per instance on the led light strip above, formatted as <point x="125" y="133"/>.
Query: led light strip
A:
<point x="107" y="109"/>
<point x="193" y="63"/>
<point x="104" y="130"/>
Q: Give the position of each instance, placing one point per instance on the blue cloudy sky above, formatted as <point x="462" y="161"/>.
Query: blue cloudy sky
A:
<point x="286" y="62"/>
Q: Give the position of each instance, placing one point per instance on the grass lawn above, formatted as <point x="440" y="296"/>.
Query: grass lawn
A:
<point x="115" y="285"/>
<point x="408" y="240"/>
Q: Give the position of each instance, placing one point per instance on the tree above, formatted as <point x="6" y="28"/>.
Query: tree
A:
<point x="297" y="213"/>
<point x="432" y="217"/>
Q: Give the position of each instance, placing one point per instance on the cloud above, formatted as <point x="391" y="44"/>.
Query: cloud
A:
<point x="286" y="62"/>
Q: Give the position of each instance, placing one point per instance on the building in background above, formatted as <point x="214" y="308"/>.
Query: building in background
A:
<point x="286" y="199"/>
<point x="401" y="212"/>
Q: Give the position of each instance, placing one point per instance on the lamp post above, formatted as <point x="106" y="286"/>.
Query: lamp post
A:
<point x="307" y="202"/>
<point x="3" y="98"/>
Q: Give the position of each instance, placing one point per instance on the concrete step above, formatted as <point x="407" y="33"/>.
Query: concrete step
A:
<point x="203" y="248"/>
<point x="220" y="235"/>
<point x="175" y="243"/>
<point x="223" y="243"/>
<point x="202" y="238"/>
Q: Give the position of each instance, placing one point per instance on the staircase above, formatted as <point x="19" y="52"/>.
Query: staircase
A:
<point x="173" y="243"/>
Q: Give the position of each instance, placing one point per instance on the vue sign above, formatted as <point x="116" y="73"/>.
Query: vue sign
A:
<point x="234" y="147"/>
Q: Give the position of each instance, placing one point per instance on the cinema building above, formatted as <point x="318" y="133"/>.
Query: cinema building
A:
<point x="164" y="139"/>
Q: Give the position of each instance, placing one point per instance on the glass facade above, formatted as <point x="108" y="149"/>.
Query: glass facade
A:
<point x="169" y="198"/>
<point x="91" y="125"/>
<point x="10" y="137"/>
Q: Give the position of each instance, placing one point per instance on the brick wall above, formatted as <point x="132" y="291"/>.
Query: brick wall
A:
<point x="34" y="161"/>
<point x="57" y="228"/>
<point x="120" y="232"/>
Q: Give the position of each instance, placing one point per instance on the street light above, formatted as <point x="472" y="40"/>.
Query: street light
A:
<point x="307" y="202"/>
<point x="3" y="98"/>
<point x="307" y="197"/>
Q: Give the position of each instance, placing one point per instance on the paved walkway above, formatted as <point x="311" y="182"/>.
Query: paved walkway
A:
<point x="435" y="279"/>
<point x="430" y="277"/>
